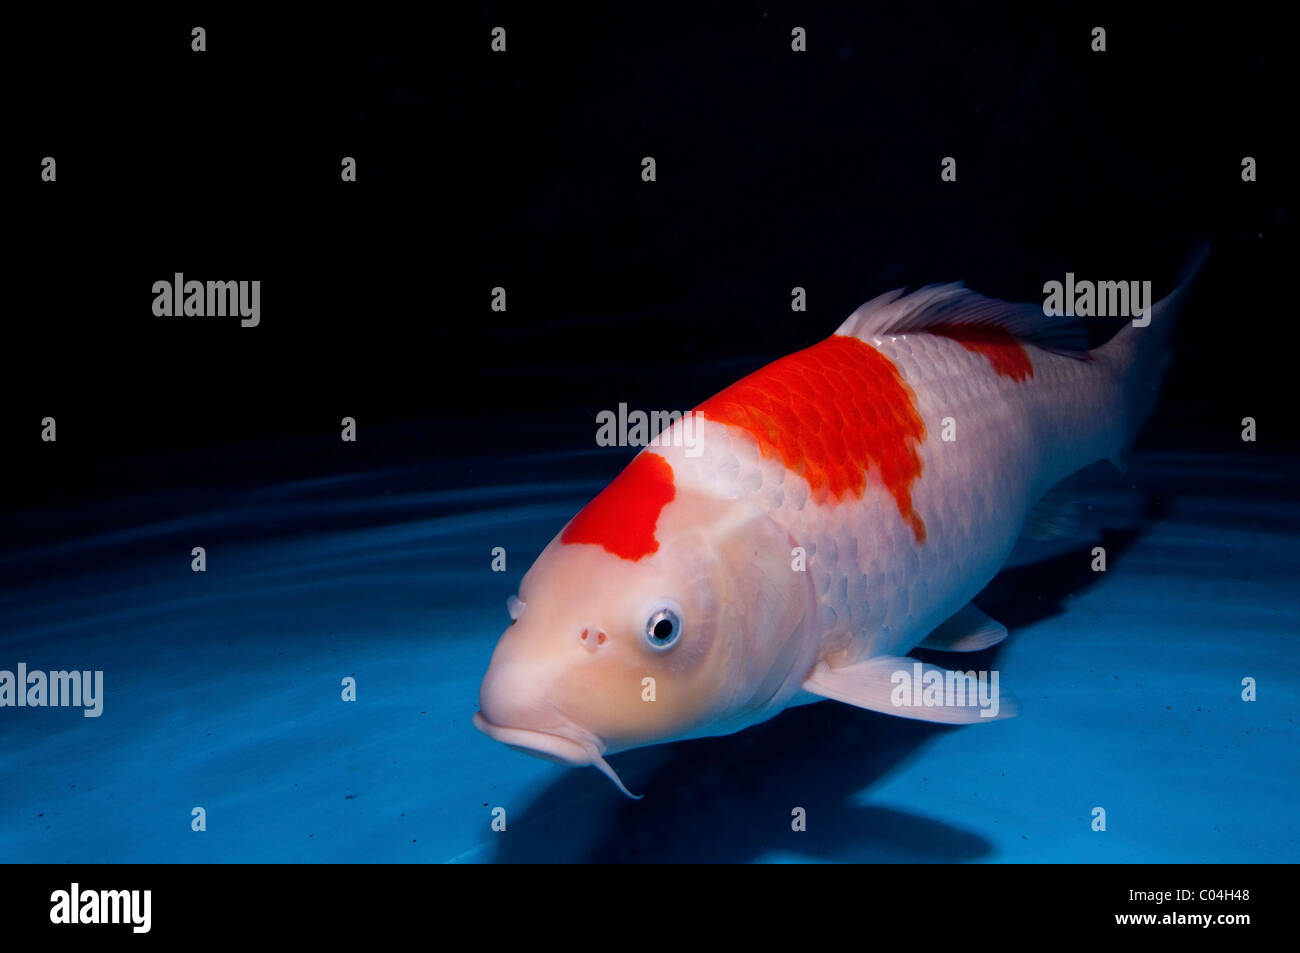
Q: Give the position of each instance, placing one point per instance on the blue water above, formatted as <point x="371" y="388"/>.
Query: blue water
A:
<point x="223" y="691"/>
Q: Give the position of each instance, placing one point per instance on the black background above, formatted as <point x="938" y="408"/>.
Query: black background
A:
<point x="475" y="169"/>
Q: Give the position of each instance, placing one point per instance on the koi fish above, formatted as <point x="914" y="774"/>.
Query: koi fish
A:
<point x="848" y="502"/>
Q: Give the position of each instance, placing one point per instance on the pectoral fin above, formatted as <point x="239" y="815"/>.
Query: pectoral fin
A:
<point x="969" y="630"/>
<point x="911" y="689"/>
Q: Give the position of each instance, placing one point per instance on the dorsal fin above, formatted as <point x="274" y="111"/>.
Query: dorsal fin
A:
<point x="952" y="305"/>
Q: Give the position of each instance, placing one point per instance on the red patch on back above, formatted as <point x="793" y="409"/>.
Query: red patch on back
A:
<point x="829" y="413"/>
<point x="1005" y="353"/>
<point x="623" y="516"/>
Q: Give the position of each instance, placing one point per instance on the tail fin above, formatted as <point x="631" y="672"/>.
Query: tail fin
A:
<point x="1141" y="356"/>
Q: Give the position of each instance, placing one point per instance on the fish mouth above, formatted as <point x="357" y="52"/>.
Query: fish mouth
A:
<point x="544" y="744"/>
<point x="552" y="747"/>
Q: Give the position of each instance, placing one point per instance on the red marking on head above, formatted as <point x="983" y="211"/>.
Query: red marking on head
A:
<point x="623" y="516"/>
<point x="1005" y="353"/>
<point x="830" y="413"/>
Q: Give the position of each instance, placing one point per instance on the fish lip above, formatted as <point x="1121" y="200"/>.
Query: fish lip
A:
<point x="546" y="744"/>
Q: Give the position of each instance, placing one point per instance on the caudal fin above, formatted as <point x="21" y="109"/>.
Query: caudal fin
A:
<point x="1141" y="356"/>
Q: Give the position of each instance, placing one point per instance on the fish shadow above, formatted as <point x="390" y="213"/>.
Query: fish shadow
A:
<point x="734" y="798"/>
<point x="1021" y="596"/>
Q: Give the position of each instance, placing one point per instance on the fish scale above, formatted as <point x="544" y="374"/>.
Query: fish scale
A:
<point x="971" y="494"/>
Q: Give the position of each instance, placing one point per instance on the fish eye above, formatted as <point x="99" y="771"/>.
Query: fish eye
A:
<point x="663" y="628"/>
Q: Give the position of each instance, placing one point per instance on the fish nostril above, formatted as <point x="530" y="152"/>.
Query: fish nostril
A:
<point x="592" y="637"/>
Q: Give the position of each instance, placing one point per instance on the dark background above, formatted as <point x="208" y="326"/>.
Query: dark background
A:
<point x="477" y="169"/>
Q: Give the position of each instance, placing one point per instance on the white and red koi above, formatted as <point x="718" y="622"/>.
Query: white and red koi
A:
<point x="849" y="501"/>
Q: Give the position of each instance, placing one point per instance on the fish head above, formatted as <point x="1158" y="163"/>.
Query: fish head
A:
<point x="614" y="646"/>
